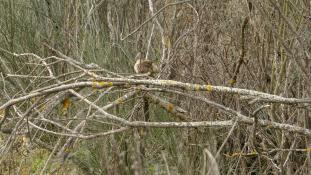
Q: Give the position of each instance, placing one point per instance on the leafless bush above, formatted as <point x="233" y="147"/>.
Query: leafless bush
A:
<point x="231" y="97"/>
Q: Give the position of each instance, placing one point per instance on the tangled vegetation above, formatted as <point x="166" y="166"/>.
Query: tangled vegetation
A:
<point x="231" y="94"/>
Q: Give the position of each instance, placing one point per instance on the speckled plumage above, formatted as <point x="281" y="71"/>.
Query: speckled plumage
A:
<point x="143" y="66"/>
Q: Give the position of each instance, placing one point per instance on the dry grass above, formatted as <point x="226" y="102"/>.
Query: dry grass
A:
<point x="261" y="48"/>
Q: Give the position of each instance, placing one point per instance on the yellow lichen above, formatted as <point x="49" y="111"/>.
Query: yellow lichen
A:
<point x="104" y="84"/>
<point x="170" y="107"/>
<point x="308" y="149"/>
<point x="169" y="82"/>
<point x="209" y="88"/>
<point x="99" y="84"/>
<point x="94" y="84"/>
<point x="196" y="87"/>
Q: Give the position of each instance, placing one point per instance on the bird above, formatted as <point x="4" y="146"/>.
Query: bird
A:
<point x="144" y="66"/>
